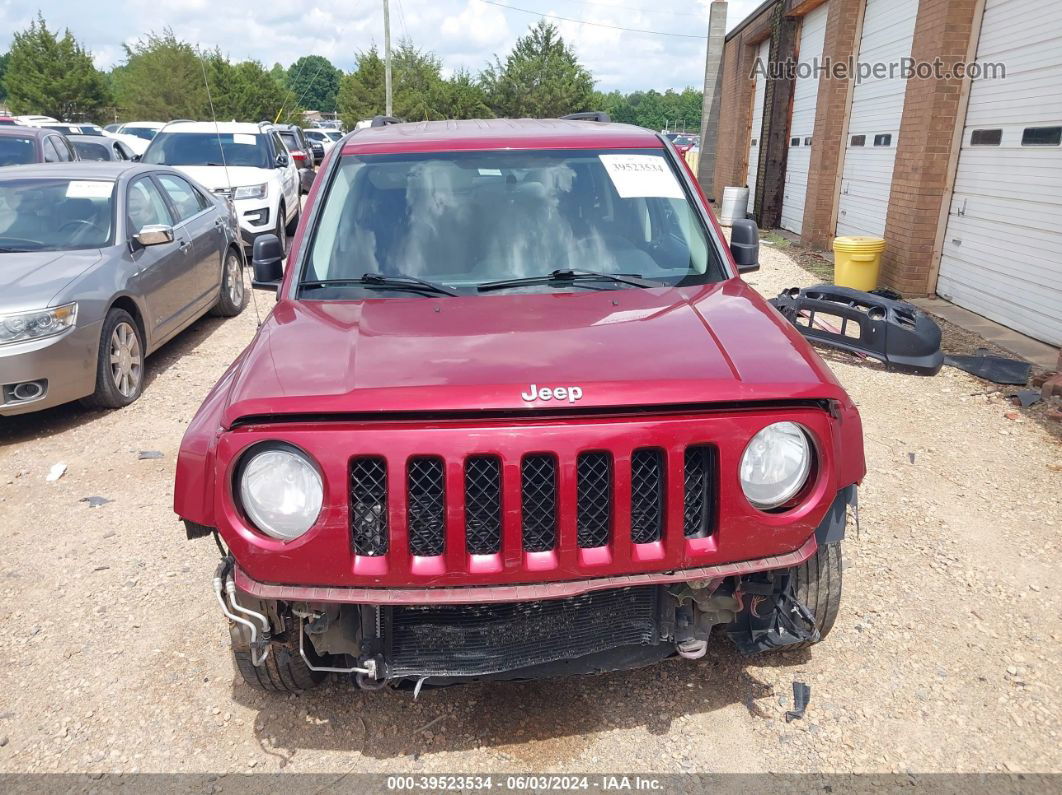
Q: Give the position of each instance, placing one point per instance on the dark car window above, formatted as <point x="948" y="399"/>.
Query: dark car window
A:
<point x="290" y="140"/>
<point x="51" y="155"/>
<point x="278" y="144"/>
<point x="62" y="148"/>
<point x="15" y="150"/>
<point x="208" y="149"/>
<point x="184" y="197"/>
<point x="90" y="150"/>
<point x="145" y="206"/>
<point x="55" y="214"/>
<point x="147" y="133"/>
<point x="465" y="218"/>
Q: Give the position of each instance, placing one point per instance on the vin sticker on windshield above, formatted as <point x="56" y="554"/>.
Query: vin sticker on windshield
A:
<point x="88" y="189"/>
<point x="243" y="138"/>
<point x="641" y="176"/>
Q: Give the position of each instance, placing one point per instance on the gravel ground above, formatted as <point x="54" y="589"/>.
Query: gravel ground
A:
<point x="946" y="655"/>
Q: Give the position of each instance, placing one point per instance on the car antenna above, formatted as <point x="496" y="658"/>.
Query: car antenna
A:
<point x="225" y="165"/>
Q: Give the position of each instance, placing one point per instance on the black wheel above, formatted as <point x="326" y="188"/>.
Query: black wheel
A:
<point x="818" y="585"/>
<point x="233" y="297"/>
<point x="119" y="363"/>
<point x="281" y="672"/>
<point x="294" y="223"/>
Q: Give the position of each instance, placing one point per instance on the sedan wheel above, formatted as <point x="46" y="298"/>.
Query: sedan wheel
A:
<point x="232" y="297"/>
<point x="127" y="360"/>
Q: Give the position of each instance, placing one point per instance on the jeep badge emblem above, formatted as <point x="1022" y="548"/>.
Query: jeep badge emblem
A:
<point x="569" y="393"/>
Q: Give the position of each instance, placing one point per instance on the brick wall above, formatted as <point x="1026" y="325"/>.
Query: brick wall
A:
<point x="924" y="148"/>
<point x="828" y="143"/>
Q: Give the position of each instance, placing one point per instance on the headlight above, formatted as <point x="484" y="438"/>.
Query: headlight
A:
<point x="251" y="192"/>
<point x="34" y="325"/>
<point x="281" y="491"/>
<point x="775" y="465"/>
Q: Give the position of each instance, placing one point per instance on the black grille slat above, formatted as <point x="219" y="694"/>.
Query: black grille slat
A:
<point x="483" y="523"/>
<point x="647" y="496"/>
<point x="698" y="501"/>
<point x="479" y="639"/>
<point x="426" y="509"/>
<point x="538" y="495"/>
<point x="368" y="506"/>
<point x="594" y="499"/>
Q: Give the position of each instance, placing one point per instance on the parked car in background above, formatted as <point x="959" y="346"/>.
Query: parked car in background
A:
<point x="145" y="130"/>
<point x="99" y="147"/>
<point x="323" y="139"/>
<point x="35" y="121"/>
<point x="248" y="163"/>
<point x="301" y="152"/>
<point x="7" y="121"/>
<point x="103" y="263"/>
<point x="74" y="129"/>
<point x="20" y="145"/>
<point x="111" y="128"/>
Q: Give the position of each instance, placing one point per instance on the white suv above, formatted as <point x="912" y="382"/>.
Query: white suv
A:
<point x="248" y="163"/>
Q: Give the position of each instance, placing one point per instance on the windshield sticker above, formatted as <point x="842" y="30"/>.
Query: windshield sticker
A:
<point x="641" y="177"/>
<point x="243" y="138"/>
<point x="88" y="189"/>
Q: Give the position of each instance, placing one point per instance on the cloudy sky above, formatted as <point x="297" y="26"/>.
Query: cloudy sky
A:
<point x="464" y="33"/>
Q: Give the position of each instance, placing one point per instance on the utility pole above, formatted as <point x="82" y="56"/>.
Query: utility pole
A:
<point x="387" y="58"/>
<point x="713" y="92"/>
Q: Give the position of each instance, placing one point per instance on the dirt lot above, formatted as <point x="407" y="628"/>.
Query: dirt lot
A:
<point x="946" y="656"/>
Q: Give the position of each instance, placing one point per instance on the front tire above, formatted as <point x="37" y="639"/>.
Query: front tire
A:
<point x="280" y="672"/>
<point x="119" y="363"/>
<point x="817" y="583"/>
<point x="233" y="297"/>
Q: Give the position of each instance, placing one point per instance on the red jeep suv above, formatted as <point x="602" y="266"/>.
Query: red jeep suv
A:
<point x="515" y="414"/>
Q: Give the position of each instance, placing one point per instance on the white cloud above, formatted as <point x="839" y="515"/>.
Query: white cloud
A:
<point x="463" y="33"/>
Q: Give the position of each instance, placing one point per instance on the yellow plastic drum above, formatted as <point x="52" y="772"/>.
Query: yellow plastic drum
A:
<point x="857" y="262"/>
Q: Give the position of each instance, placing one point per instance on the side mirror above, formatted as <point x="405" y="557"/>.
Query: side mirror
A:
<point x="135" y="158"/>
<point x="745" y="245"/>
<point x="267" y="259"/>
<point x="154" y="235"/>
<point x="282" y="160"/>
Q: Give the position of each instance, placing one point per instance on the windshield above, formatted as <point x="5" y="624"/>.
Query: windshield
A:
<point x="464" y="219"/>
<point x="90" y="150"/>
<point x="147" y="133"/>
<point x="208" y="149"/>
<point x="15" y="150"/>
<point x="55" y="214"/>
<point x="334" y="135"/>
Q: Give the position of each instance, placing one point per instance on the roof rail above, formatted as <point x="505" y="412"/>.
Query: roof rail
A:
<point x="383" y="121"/>
<point x="590" y="115"/>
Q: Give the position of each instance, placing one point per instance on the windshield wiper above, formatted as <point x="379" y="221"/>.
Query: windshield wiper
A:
<point x="395" y="282"/>
<point x="567" y="276"/>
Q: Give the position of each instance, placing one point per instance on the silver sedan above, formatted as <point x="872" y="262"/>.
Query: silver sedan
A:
<point x="101" y="264"/>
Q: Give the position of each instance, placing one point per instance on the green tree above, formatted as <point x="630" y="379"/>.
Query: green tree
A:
<point x="53" y="76"/>
<point x="314" y="81"/>
<point x="418" y="90"/>
<point x="541" y="77"/>
<point x="466" y="99"/>
<point x="161" y="79"/>
<point x="3" y="68"/>
<point x="280" y="75"/>
<point x="245" y="92"/>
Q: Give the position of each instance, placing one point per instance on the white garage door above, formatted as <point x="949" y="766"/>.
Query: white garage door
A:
<point x="874" y="127"/>
<point x="1002" y="255"/>
<point x="805" y="98"/>
<point x="762" y="56"/>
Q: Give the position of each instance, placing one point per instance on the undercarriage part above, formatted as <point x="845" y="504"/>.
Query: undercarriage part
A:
<point x="692" y="649"/>
<point x="831" y="528"/>
<point x="897" y="333"/>
<point x="368" y="669"/>
<point x="801" y="696"/>
<point x="222" y="579"/>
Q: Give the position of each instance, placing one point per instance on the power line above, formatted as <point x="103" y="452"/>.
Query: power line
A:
<point x="595" y="24"/>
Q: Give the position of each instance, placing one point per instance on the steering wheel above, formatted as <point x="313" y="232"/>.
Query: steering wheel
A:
<point x="78" y="222"/>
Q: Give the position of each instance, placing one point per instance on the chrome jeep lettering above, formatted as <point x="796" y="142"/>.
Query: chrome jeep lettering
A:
<point x="569" y="393"/>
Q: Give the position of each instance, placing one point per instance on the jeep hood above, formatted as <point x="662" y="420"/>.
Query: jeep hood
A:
<point x="629" y="347"/>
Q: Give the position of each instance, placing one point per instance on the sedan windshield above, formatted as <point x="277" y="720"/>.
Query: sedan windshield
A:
<point x="90" y="150"/>
<point x="208" y="149"/>
<point x="15" y="150"/>
<point x="55" y="214"/>
<point x="467" y="219"/>
<point x="147" y="133"/>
